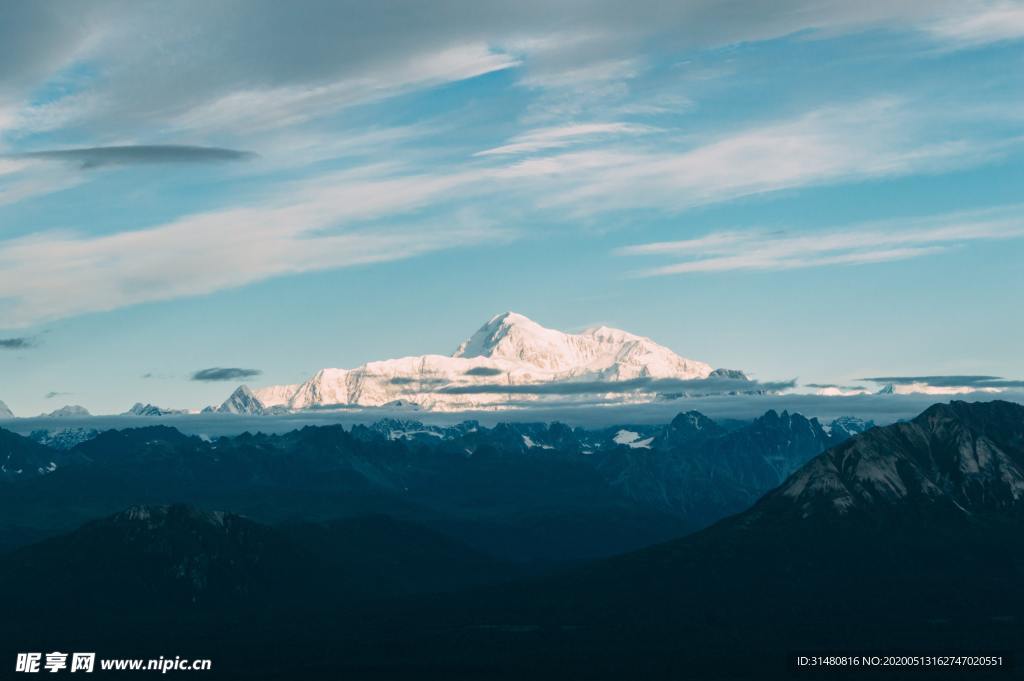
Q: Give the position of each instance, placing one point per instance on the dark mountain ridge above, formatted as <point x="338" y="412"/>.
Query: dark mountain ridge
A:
<point x="533" y="492"/>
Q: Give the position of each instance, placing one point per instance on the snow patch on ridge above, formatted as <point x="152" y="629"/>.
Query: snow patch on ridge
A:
<point x="632" y="440"/>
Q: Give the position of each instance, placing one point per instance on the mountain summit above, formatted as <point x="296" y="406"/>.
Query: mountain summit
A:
<point x="509" y="350"/>
<point x="610" y="353"/>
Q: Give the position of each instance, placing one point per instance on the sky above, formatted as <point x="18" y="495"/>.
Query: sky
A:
<point x="799" y="189"/>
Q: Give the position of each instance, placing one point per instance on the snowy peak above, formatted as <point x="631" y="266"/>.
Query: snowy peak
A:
<point x="5" y="413"/>
<point x="242" y="401"/>
<point x="846" y="427"/>
<point x="495" y="334"/>
<point x="140" y="409"/>
<point x="612" y="353"/>
<point x="69" y="410"/>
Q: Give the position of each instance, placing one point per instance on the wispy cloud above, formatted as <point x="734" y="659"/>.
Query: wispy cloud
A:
<point x="94" y="157"/>
<point x="562" y="136"/>
<point x="224" y="374"/>
<point x="875" y="138"/>
<point x="374" y="214"/>
<point x="22" y="179"/>
<point x="856" y="245"/>
<point x="332" y="221"/>
<point x="981" y="24"/>
<point x="258" y="109"/>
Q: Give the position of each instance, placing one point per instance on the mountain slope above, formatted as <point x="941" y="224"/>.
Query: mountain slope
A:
<point x="22" y="458"/>
<point x="184" y="558"/>
<point x="905" y="538"/>
<point x="961" y="457"/>
<point x="242" y="401"/>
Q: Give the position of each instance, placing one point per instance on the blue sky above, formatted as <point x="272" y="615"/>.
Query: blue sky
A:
<point x="796" y="189"/>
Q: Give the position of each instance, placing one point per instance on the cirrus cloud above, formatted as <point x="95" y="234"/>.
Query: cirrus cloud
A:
<point x="856" y="245"/>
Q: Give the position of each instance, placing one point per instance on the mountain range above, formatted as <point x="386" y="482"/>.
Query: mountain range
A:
<point x="537" y="492"/>
<point x="904" y="539"/>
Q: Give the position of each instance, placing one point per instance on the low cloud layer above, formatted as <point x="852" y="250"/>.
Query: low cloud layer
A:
<point x="224" y="374"/>
<point x="94" y="157"/>
<point x="484" y="371"/>
<point x="706" y="386"/>
<point x="882" y="409"/>
<point x="950" y="381"/>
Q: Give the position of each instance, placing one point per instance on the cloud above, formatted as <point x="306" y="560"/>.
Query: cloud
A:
<point x="873" y="138"/>
<point x="254" y="110"/>
<point x="562" y="136"/>
<point x="332" y="221"/>
<point x="882" y="409"/>
<point x="260" y="63"/>
<point x="949" y="381"/>
<point x="114" y="68"/>
<point x="374" y="213"/>
<point x="20" y="343"/>
<point x="224" y="374"/>
<point x="483" y="371"/>
<point x="704" y="386"/>
<point x="22" y="179"/>
<point x="94" y="157"/>
<point x="50" y="395"/>
<point x="404" y="380"/>
<point x="855" y="245"/>
<point x="982" y="24"/>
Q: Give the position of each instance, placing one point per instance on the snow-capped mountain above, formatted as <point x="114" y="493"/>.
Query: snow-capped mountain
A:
<point x="140" y="409"/>
<point x="5" y="412"/>
<point x="846" y="427"/>
<point x="242" y="401"/>
<point x="67" y="410"/>
<point x="509" y="350"/>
